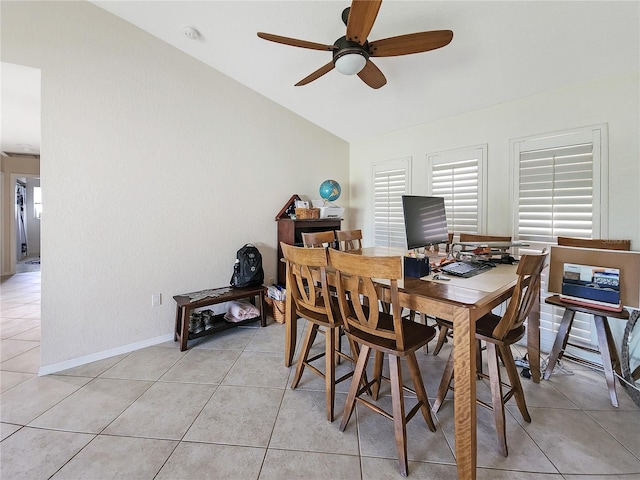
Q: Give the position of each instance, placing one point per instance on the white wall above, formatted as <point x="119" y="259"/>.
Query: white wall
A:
<point x="173" y="167"/>
<point x="613" y="101"/>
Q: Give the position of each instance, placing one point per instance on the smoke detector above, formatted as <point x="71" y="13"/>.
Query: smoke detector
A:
<point x="191" y="33"/>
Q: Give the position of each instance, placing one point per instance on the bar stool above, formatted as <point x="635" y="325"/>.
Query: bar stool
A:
<point x="318" y="239"/>
<point x="307" y="279"/>
<point x="384" y="334"/>
<point x="499" y="333"/>
<point x="349" y="240"/>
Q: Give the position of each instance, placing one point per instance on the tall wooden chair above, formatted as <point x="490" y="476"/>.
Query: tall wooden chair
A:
<point x="444" y="326"/>
<point x="473" y="237"/>
<point x="349" y="240"/>
<point x="318" y="239"/>
<point x="500" y="333"/>
<point x="606" y="344"/>
<point x="385" y="334"/>
<point x="602" y="244"/>
<point x="307" y="280"/>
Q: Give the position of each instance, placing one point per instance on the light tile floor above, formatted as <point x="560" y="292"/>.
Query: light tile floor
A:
<point x="223" y="410"/>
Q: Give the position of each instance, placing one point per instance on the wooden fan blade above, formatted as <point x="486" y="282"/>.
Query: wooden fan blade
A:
<point x="411" y="43"/>
<point x="317" y="74"/>
<point x="361" y="17"/>
<point x="294" y="42"/>
<point x="372" y="76"/>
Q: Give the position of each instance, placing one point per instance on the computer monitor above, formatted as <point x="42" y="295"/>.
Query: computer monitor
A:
<point x="425" y="221"/>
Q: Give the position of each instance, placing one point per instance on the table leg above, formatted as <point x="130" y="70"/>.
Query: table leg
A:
<point x="291" y="329"/>
<point x="533" y="340"/>
<point x="263" y="316"/>
<point x="464" y="358"/>
<point x="177" y="328"/>
<point x="184" y="330"/>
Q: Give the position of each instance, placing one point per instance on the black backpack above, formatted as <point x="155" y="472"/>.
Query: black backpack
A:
<point x="247" y="270"/>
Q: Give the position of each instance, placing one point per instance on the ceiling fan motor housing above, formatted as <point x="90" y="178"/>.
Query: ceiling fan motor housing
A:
<point x="346" y="47"/>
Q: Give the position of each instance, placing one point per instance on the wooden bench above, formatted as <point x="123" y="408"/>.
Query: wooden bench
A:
<point x="188" y="302"/>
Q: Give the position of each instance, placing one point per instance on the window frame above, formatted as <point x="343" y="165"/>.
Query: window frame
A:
<point x="583" y="331"/>
<point x="402" y="163"/>
<point x="460" y="155"/>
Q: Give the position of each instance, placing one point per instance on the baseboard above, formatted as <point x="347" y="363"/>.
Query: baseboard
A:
<point x="76" y="362"/>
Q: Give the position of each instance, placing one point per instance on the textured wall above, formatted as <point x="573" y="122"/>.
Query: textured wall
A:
<point x="173" y="167"/>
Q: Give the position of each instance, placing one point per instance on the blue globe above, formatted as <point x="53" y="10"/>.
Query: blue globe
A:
<point x="330" y="190"/>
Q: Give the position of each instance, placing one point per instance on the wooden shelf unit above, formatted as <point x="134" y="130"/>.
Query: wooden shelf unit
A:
<point x="290" y="231"/>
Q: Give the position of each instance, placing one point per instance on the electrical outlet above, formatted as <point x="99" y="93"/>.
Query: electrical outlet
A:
<point x="156" y="299"/>
<point x="270" y="281"/>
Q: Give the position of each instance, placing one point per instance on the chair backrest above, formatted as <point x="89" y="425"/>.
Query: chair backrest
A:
<point x="349" y="240"/>
<point x="472" y="237"/>
<point x="307" y="282"/>
<point x="447" y="246"/>
<point x="359" y="296"/>
<point x="526" y="291"/>
<point x="318" y="239"/>
<point x="595" y="243"/>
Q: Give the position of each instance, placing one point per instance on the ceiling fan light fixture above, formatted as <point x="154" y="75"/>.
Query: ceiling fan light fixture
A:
<point x="350" y="63"/>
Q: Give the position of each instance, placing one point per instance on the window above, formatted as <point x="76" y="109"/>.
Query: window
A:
<point x="459" y="176"/>
<point x="37" y="203"/>
<point x="560" y="189"/>
<point x="390" y="182"/>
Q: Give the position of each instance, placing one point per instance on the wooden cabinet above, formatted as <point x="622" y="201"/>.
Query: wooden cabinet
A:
<point x="290" y="232"/>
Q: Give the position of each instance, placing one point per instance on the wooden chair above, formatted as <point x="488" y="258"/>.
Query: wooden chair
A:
<point x="307" y="280"/>
<point x="500" y="333"/>
<point x="349" y="240"/>
<point x="444" y="326"/>
<point x="595" y="243"/>
<point x="318" y="239"/>
<point x="606" y="344"/>
<point x="384" y="333"/>
<point x="473" y="237"/>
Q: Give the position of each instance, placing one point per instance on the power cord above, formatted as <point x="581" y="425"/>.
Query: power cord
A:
<point x="560" y="369"/>
<point x="523" y="362"/>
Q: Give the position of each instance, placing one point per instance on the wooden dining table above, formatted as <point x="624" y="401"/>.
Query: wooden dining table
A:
<point x="462" y="301"/>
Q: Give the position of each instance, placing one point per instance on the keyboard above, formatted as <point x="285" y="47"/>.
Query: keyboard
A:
<point x="465" y="269"/>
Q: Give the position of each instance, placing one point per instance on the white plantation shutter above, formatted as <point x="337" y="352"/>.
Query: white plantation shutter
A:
<point x="560" y="189"/>
<point x="556" y="193"/>
<point x="458" y="176"/>
<point x="390" y="182"/>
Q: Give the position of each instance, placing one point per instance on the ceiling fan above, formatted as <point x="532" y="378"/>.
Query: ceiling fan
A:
<point x="351" y="53"/>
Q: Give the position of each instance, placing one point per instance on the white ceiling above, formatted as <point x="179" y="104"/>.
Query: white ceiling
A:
<point x="20" y="112"/>
<point x="501" y="51"/>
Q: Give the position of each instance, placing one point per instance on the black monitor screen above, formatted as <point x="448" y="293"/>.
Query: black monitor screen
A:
<point x="425" y="221"/>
